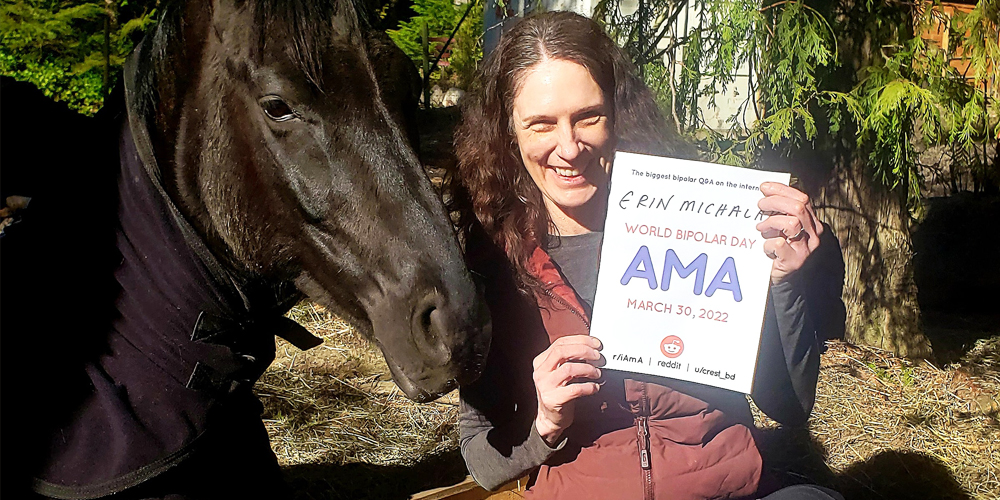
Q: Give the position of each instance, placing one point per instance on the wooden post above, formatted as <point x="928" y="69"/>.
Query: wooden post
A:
<point x="427" y="67"/>
<point x="469" y="490"/>
<point x="106" y="81"/>
<point x="110" y="20"/>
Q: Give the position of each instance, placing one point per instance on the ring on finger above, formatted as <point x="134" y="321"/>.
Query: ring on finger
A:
<point x="797" y="236"/>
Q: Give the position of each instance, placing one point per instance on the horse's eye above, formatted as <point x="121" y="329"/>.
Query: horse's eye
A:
<point x="276" y="109"/>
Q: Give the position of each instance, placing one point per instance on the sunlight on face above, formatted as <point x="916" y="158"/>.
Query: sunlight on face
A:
<point x="564" y="135"/>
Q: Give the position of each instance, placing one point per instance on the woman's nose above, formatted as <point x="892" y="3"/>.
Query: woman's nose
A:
<point x="569" y="144"/>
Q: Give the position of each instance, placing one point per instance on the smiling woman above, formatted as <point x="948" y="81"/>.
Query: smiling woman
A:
<point x="559" y="113"/>
<point x="561" y="124"/>
<point x="553" y="103"/>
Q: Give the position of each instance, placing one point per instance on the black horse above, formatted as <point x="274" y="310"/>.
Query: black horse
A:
<point x="257" y="157"/>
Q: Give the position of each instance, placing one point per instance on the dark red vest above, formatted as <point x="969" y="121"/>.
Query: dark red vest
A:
<point x="639" y="437"/>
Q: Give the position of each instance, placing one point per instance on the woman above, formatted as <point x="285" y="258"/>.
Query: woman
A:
<point x="554" y="102"/>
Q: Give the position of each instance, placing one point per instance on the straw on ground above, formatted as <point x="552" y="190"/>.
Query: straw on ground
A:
<point x="881" y="424"/>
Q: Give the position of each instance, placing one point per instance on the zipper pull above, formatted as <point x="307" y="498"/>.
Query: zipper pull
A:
<point x="643" y="427"/>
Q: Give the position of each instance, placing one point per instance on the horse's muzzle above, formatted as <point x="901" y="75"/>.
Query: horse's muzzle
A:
<point x="446" y="347"/>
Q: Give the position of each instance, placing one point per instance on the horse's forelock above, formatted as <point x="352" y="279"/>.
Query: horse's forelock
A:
<point x="311" y="26"/>
<point x="309" y="23"/>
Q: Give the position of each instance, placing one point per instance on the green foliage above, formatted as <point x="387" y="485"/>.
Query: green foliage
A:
<point x="59" y="45"/>
<point x="982" y="45"/>
<point x="909" y="97"/>
<point x="893" y="103"/>
<point x="468" y="47"/>
<point x="80" y="91"/>
<point x="915" y="96"/>
<point x="783" y="46"/>
<point x="658" y="78"/>
<point x="648" y="34"/>
<point x="978" y="115"/>
<point x="441" y="17"/>
<point x="907" y="376"/>
<point x="37" y="28"/>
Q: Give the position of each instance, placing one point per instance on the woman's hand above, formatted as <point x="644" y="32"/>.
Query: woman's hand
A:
<point x="791" y="233"/>
<point x="563" y="373"/>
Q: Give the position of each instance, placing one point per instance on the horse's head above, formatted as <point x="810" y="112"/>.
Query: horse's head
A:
<point x="276" y="142"/>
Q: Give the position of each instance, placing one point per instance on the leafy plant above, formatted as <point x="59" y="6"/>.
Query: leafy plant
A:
<point x="61" y="47"/>
<point x="910" y="97"/>
<point x="917" y="97"/>
<point x="441" y="18"/>
<point x="468" y="46"/>
<point x="907" y="376"/>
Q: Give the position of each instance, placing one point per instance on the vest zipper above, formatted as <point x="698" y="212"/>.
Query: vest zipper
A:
<point x="569" y="306"/>
<point x="642" y="421"/>
<point x="642" y="425"/>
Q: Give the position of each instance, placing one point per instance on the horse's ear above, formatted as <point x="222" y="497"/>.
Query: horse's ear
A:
<point x="167" y="60"/>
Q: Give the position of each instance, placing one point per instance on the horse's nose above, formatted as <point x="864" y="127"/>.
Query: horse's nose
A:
<point x="430" y="333"/>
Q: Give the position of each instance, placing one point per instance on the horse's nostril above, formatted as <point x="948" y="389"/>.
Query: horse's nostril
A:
<point x="425" y="319"/>
<point x="429" y="330"/>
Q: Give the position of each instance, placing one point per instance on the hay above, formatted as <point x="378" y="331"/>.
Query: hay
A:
<point x="871" y="405"/>
<point x="882" y="427"/>
<point x="335" y="404"/>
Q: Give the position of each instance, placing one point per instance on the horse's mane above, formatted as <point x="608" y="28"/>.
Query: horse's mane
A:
<point x="308" y="22"/>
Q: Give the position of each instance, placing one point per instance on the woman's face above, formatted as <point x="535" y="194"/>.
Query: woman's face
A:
<point x="561" y="124"/>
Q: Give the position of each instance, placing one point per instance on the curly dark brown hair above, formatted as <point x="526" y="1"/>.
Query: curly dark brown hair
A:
<point x="504" y="199"/>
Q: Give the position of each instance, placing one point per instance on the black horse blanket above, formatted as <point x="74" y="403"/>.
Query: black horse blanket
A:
<point x="167" y="375"/>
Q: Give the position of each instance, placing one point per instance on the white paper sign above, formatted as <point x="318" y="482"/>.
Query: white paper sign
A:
<point x="682" y="286"/>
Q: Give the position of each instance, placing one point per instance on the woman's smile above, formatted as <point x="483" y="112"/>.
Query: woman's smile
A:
<point x="569" y="176"/>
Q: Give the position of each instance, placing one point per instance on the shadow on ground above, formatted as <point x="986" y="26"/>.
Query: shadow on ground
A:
<point x="957" y="272"/>
<point x="361" y="481"/>
<point x="899" y="475"/>
<point x="791" y="456"/>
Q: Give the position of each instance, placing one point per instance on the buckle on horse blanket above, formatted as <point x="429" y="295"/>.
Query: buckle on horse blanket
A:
<point x="238" y="337"/>
<point x="215" y="330"/>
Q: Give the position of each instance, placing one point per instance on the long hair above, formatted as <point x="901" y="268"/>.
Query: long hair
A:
<point x="503" y="196"/>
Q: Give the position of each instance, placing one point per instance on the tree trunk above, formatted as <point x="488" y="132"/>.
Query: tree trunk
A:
<point x="871" y="221"/>
<point x="872" y="224"/>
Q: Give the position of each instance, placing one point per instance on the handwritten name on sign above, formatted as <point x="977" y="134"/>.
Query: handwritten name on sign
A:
<point x="682" y="287"/>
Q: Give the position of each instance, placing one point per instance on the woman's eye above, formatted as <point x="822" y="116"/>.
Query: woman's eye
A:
<point x="542" y="127"/>
<point x="276" y="109"/>
<point x="591" y="120"/>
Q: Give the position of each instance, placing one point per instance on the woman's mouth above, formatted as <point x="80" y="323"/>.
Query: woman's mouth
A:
<point x="567" y="172"/>
<point x="569" y="177"/>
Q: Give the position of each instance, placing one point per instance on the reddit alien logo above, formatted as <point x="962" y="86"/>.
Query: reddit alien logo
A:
<point x="672" y="346"/>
